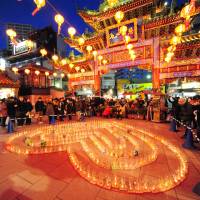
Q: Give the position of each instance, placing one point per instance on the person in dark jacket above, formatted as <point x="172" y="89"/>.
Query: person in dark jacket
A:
<point x="61" y="109"/>
<point x="186" y="111"/>
<point x="39" y="109"/>
<point x="50" y="112"/>
<point x="21" y="111"/>
<point x="29" y="108"/>
<point x="11" y="108"/>
<point x="69" y="109"/>
<point x="3" y="112"/>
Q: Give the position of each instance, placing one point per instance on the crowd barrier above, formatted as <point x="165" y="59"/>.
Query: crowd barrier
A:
<point x="190" y="133"/>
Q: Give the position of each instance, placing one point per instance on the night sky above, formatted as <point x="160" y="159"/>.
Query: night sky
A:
<point x="19" y="11"/>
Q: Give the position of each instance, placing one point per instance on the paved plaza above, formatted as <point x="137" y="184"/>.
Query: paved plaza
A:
<point x="51" y="176"/>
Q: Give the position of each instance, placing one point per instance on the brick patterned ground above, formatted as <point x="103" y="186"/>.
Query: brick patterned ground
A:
<point x="51" y="176"/>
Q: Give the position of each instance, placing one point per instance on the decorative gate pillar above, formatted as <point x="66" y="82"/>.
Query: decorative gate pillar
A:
<point x="156" y="64"/>
<point x="97" y="79"/>
<point x="156" y="77"/>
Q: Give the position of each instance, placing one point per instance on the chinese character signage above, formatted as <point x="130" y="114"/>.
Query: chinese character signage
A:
<point x="115" y="38"/>
<point x="124" y="85"/>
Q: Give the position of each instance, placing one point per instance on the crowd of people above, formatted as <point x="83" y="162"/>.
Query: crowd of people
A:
<point x="21" y="111"/>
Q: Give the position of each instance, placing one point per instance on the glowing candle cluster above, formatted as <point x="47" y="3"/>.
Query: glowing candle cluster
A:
<point x="104" y="153"/>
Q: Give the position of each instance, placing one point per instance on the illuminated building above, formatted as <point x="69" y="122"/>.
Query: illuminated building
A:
<point x="150" y="29"/>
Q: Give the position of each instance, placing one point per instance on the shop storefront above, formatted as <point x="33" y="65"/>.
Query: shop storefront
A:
<point x="184" y="88"/>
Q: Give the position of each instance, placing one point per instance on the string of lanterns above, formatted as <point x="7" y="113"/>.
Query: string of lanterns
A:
<point x="185" y="13"/>
<point x="37" y="72"/>
<point x="59" y="19"/>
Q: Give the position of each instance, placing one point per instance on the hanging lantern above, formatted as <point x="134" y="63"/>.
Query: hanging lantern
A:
<point x="29" y="44"/>
<point x="81" y="41"/>
<point x="119" y="16"/>
<point x="187" y="12"/>
<point x="175" y="40"/>
<point x="55" y="58"/>
<point x="15" y="69"/>
<point x="123" y="30"/>
<point x="89" y="49"/>
<point x="37" y="72"/>
<point x="46" y="73"/>
<point x="39" y="4"/>
<point x="59" y="19"/>
<point x="180" y="29"/>
<point x="170" y="54"/>
<point x="127" y="39"/>
<point x="104" y="62"/>
<point x="71" y="65"/>
<point x="63" y="61"/>
<point x="133" y="56"/>
<point x="77" y="68"/>
<point x="12" y="34"/>
<point x="100" y="58"/>
<point x="168" y="59"/>
<point x="55" y="74"/>
<point x="94" y="54"/>
<point x="62" y="75"/>
<point x="171" y="48"/>
<point x="43" y="52"/>
<point x="27" y="71"/>
<point x="82" y="70"/>
<point x="131" y="52"/>
<point x="129" y="47"/>
<point x="103" y="70"/>
<point x="71" y="31"/>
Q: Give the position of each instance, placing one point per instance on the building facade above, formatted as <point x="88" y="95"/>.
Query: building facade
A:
<point x="150" y="27"/>
<point x="22" y="30"/>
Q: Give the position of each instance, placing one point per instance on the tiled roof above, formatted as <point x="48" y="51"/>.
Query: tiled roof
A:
<point x="7" y="82"/>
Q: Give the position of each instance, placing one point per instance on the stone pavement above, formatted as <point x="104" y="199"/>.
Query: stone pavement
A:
<point x="51" y="176"/>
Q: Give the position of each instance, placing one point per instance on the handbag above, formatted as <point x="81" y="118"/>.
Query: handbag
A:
<point x="7" y="120"/>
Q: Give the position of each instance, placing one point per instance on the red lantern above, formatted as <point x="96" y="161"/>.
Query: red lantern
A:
<point x="39" y="4"/>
